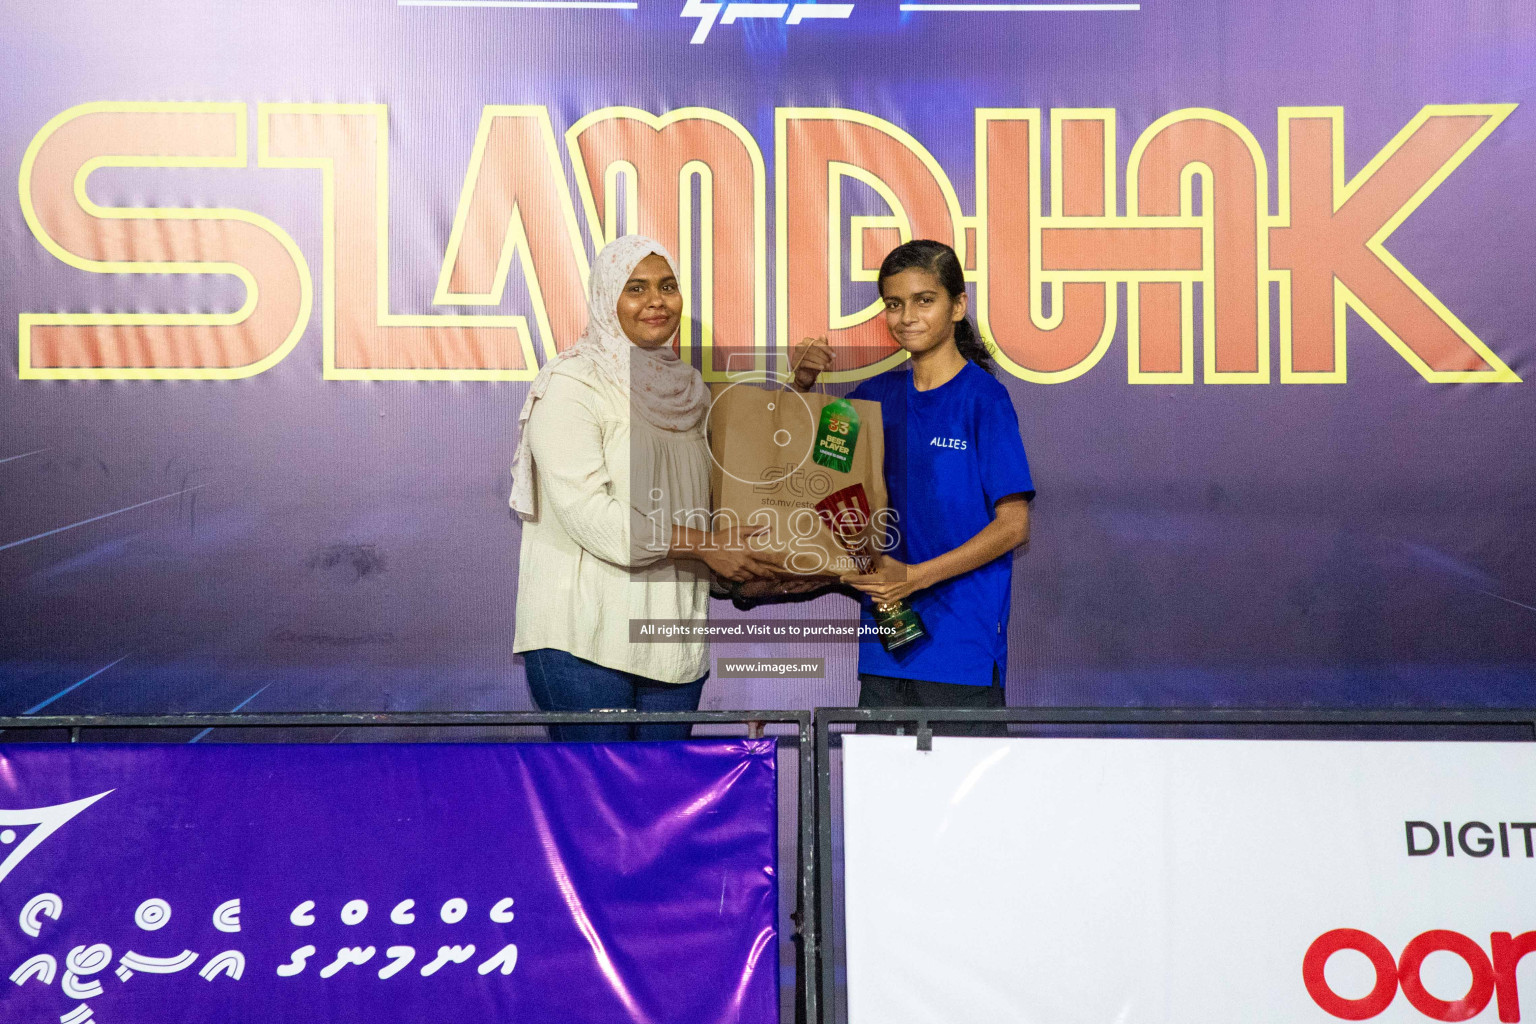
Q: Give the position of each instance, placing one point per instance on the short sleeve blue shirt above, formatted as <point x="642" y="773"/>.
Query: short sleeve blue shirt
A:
<point x="950" y="454"/>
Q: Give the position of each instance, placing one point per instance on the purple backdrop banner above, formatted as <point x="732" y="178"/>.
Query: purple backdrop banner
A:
<point x="397" y="883"/>
<point x="276" y="276"/>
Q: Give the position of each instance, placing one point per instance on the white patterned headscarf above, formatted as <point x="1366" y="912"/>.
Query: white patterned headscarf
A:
<point x="666" y="391"/>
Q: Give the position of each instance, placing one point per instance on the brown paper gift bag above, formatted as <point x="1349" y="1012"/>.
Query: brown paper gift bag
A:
<point x="802" y="465"/>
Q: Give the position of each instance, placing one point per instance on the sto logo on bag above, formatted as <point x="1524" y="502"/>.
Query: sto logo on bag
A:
<point x="1490" y="974"/>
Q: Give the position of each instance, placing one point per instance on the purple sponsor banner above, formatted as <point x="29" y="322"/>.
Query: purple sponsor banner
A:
<point x="378" y="883"/>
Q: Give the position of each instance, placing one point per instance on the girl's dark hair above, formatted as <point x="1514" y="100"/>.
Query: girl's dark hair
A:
<point x="940" y="261"/>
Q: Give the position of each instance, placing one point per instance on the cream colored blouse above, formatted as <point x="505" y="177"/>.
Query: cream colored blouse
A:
<point x="609" y="485"/>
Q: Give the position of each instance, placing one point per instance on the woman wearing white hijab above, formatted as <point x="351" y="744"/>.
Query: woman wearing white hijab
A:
<point x="611" y="458"/>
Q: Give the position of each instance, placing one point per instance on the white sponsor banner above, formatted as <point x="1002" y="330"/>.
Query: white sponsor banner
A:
<point x="1115" y="881"/>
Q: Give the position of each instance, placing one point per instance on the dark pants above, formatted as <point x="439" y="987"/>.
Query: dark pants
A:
<point x="890" y="692"/>
<point x="560" y="681"/>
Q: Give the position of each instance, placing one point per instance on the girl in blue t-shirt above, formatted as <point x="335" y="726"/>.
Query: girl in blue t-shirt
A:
<point x="959" y="484"/>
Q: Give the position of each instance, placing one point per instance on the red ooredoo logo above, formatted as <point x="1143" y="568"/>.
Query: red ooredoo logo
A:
<point x="1491" y="975"/>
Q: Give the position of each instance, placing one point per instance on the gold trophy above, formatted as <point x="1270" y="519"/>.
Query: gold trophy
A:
<point x="846" y="513"/>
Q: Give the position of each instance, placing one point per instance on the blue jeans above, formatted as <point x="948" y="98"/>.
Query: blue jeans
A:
<point x="560" y="681"/>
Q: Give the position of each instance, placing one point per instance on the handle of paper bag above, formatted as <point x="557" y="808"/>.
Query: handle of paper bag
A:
<point x="819" y="383"/>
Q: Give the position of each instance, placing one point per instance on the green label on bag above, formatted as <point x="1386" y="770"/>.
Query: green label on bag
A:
<point x="837" y="436"/>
